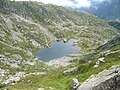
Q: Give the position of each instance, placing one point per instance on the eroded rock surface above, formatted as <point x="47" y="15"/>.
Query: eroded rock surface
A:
<point x="105" y="80"/>
<point x="70" y="71"/>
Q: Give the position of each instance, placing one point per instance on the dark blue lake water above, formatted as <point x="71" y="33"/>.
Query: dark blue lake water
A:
<point x="57" y="50"/>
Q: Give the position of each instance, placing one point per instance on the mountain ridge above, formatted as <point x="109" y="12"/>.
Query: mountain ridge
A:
<point x="107" y="9"/>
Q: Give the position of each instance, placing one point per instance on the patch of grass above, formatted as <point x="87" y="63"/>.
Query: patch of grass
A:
<point x="58" y="81"/>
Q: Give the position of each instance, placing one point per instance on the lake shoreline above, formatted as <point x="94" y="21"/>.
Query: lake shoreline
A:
<point x="63" y="61"/>
<point x="57" y="50"/>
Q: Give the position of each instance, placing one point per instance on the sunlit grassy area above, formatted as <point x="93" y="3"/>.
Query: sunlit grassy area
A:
<point x="58" y="81"/>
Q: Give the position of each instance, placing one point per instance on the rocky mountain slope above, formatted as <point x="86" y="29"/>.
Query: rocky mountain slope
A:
<point x="115" y="24"/>
<point x="25" y="27"/>
<point x="37" y="23"/>
<point x="106" y="9"/>
<point x="60" y="78"/>
<point x="107" y="79"/>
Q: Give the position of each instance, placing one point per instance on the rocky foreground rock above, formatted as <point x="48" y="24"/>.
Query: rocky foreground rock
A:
<point x="70" y="71"/>
<point x="105" y="80"/>
<point x="74" y="83"/>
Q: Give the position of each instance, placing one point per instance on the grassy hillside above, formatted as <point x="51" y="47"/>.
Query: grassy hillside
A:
<point x="25" y="27"/>
<point x="46" y="21"/>
<point x="55" y="80"/>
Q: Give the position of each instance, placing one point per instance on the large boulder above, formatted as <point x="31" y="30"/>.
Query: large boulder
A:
<point x="70" y="71"/>
<point x="65" y="40"/>
<point x="105" y="80"/>
<point x="74" y="83"/>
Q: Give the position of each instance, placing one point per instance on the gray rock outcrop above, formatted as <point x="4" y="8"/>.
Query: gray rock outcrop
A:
<point x="74" y="83"/>
<point x="15" y="78"/>
<point x="70" y="71"/>
<point x="63" y="61"/>
<point x="99" y="61"/>
<point x="105" y="80"/>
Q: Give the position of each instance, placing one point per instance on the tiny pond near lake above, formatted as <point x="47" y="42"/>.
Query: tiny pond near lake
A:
<point x="57" y="50"/>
